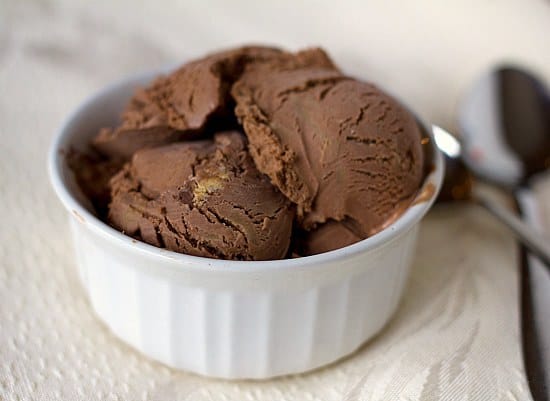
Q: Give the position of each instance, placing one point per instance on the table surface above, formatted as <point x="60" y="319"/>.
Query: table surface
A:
<point x="456" y="332"/>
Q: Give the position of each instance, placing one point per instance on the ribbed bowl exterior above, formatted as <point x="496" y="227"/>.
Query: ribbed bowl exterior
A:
<point x="242" y="325"/>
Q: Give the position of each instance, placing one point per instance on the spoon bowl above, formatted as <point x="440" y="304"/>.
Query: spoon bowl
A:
<point x="505" y="127"/>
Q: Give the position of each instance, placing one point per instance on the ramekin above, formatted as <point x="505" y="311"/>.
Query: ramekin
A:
<point x="231" y="319"/>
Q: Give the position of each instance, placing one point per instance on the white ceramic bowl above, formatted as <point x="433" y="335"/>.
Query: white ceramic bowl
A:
<point x="230" y="319"/>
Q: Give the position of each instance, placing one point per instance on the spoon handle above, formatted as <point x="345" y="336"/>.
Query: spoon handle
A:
<point x="529" y="237"/>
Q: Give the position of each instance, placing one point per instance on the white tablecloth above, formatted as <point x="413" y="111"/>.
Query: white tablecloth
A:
<point x="456" y="333"/>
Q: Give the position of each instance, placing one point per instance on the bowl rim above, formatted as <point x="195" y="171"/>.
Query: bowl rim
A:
<point x="56" y="167"/>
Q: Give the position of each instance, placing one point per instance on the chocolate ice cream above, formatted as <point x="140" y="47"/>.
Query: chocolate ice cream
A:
<point x="92" y="173"/>
<point x="202" y="198"/>
<point x="345" y="152"/>
<point x="325" y="160"/>
<point x="181" y="105"/>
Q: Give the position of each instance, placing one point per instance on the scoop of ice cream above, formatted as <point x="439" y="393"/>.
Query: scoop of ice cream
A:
<point x="341" y="149"/>
<point x="92" y="173"/>
<point x="180" y="105"/>
<point x="326" y="237"/>
<point x="202" y="198"/>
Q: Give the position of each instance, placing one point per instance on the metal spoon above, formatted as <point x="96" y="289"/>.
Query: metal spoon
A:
<point x="509" y="109"/>
<point x="505" y="126"/>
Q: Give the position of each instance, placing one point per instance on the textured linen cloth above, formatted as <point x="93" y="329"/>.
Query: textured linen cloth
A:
<point x="456" y="333"/>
